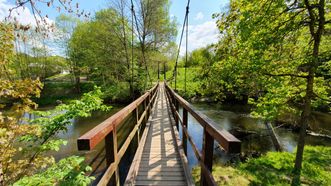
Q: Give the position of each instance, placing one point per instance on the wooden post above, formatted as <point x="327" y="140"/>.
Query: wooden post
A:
<point x="207" y="155"/>
<point x="158" y="70"/>
<point x="137" y="120"/>
<point x="177" y="109"/>
<point x="164" y="72"/>
<point x="150" y="104"/>
<point x="111" y="154"/>
<point x="185" y="124"/>
<point x="145" y="109"/>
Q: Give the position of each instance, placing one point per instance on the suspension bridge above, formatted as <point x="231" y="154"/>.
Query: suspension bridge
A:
<point x="154" y="125"/>
<point x="161" y="154"/>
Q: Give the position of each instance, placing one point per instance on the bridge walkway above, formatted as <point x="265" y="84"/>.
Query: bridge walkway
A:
<point x="160" y="159"/>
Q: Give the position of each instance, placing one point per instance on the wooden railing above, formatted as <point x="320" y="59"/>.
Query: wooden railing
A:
<point x="106" y="131"/>
<point x="205" y="158"/>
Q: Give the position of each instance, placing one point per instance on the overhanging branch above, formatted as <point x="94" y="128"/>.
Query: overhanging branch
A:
<point x="285" y="75"/>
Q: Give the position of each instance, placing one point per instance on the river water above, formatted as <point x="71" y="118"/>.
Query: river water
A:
<point x="226" y="117"/>
<point x="231" y="117"/>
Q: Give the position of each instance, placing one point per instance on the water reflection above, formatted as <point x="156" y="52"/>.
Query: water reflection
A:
<point x="237" y="117"/>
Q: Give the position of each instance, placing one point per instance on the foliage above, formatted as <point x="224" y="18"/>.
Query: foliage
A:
<point x="192" y="81"/>
<point x="6" y="48"/>
<point x="68" y="171"/>
<point x="25" y="147"/>
<point x="266" y="59"/>
<point x="58" y="91"/>
<point x="224" y="175"/>
<point x="276" y="49"/>
<point x="40" y="65"/>
<point x="96" y="50"/>
<point x="275" y="168"/>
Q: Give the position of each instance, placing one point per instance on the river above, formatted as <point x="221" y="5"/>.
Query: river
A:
<point x="227" y="117"/>
<point x="230" y="117"/>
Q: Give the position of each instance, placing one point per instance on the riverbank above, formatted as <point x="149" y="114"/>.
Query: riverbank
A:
<point x="275" y="168"/>
<point x="56" y="92"/>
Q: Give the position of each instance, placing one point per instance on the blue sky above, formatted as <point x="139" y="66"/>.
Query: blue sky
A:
<point x="202" y="28"/>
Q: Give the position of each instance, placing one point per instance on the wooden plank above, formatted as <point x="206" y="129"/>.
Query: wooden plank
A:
<point x="133" y="171"/>
<point x="161" y="169"/>
<point x="185" y="125"/>
<point x="182" y="156"/>
<point x="161" y="183"/>
<point x="160" y="178"/>
<point x="163" y="173"/>
<point x="207" y="154"/>
<point x="111" y="157"/>
<point x="159" y="160"/>
<point x="108" y="174"/>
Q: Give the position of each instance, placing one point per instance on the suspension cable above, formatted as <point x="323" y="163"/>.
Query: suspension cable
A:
<point x="132" y="8"/>
<point x="141" y="44"/>
<point x="187" y="10"/>
<point x="174" y="75"/>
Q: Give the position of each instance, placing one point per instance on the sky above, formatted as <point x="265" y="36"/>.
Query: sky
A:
<point x="202" y="28"/>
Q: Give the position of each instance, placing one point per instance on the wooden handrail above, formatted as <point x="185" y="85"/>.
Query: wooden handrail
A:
<point x="205" y="158"/>
<point x="106" y="131"/>
<point x="93" y="137"/>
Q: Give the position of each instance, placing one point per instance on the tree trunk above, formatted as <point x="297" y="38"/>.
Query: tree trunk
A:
<point x="77" y="84"/>
<point x="273" y="136"/>
<point x="305" y="116"/>
<point x="304" y="124"/>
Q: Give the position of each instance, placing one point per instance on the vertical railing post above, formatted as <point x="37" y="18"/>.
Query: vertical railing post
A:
<point x="207" y="155"/>
<point x="137" y="121"/>
<point x="149" y="103"/>
<point x="111" y="154"/>
<point x="164" y="72"/>
<point x="145" y="110"/>
<point x="177" y="109"/>
<point x="185" y="124"/>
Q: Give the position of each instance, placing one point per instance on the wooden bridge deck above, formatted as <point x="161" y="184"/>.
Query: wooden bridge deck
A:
<point x="159" y="159"/>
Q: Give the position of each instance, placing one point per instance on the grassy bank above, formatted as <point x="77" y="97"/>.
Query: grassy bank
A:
<point x="192" y="83"/>
<point x="54" y="92"/>
<point x="275" y="168"/>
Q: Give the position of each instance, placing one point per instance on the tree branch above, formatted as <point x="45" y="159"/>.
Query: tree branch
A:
<point x="324" y="99"/>
<point x="284" y="75"/>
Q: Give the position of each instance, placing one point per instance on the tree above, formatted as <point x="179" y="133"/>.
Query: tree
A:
<point x="97" y="49"/>
<point x="65" y="26"/>
<point x="24" y="148"/>
<point x="154" y="29"/>
<point x="275" y="49"/>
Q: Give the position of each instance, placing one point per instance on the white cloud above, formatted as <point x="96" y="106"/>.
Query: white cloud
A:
<point x="199" y="16"/>
<point x="21" y="15"/>
<point x="25" y="17"/>
<point x="200" y="35"/>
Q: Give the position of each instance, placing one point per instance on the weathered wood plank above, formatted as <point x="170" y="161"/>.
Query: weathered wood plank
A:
<point x="160" y="178"/>
<point x="160" y="163"/>
<point x="161" y="183"/>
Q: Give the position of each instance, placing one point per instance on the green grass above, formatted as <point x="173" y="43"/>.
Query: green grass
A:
<point x="275" y="168"/>
<point x="192" y="83"/>
<point x="63" y="91"/>
<point x="224" y="176"/>
<point x="60" y="77"/>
